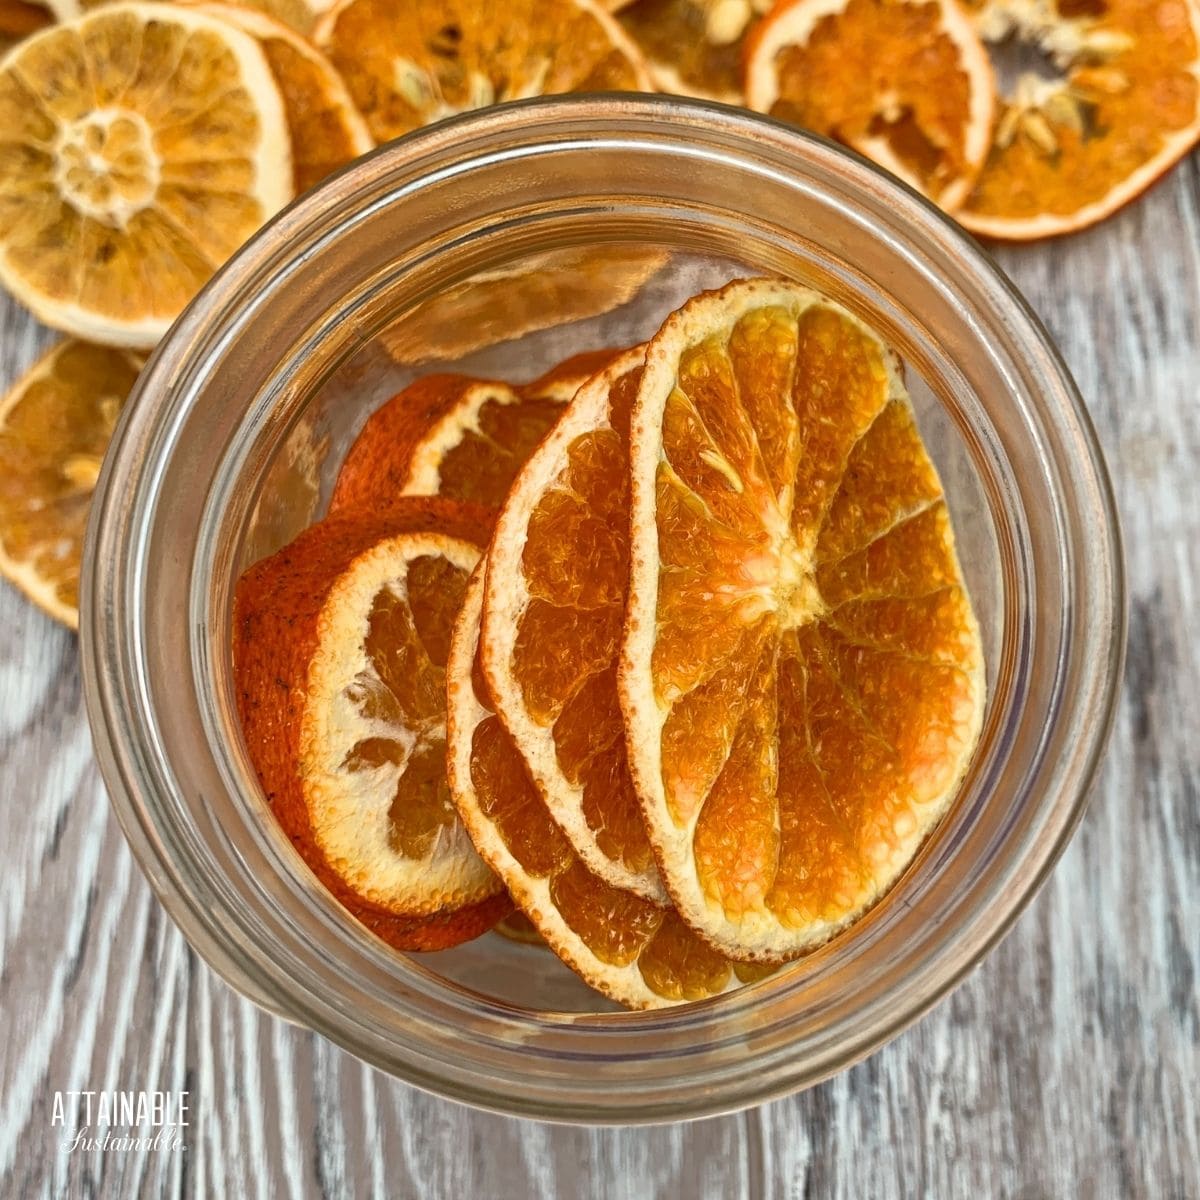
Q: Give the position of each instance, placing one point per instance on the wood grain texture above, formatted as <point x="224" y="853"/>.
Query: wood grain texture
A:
<point x="1066" y="1066"/>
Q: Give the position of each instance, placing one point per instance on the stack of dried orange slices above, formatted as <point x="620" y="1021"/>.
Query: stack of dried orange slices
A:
<point x="714" y="680"/>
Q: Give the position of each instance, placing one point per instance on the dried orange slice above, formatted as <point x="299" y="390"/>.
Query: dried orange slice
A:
<point x="1125" y="106"/>
<point x="801" y="672"/>
<point x="55" y="424"/>
<point x="553" y="611"/>
<point x="143" y="144"/>
<point x="340" y="645"/>
<point x="449" y="56"/>
<point x="635" y="952"/>
<point x="908" y="83"/>
<point x="300" y="15"/>
<point x="325" y="128"/>
<point x="551" y="288"/>
<point x="450" y="435"/>
<point x="694" y="47"/>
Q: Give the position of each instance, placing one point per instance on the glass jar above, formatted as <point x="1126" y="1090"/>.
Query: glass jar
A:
<point x="500" y="242"/>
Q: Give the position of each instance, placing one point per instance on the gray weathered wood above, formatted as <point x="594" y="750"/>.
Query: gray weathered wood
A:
<point x="1068" y="1065"/>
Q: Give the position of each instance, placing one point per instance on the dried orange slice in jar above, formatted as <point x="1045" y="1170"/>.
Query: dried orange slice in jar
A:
<point x="549" y="289"/>
<point x="143" y="144"/>
<point x="434" y="58"/>
<point x="553" y="611"/>
<point x="1121" y="106"/>
<point x="340" y="645"/>
<point x="325" y="128"/>
<point x="637" y="953"/>
<point x="801" y="672"/>
<point x="451" y="435"/>
<point x="907" y="83"/>
<point x="694" y="47"/>
<point x="55" y="425"/>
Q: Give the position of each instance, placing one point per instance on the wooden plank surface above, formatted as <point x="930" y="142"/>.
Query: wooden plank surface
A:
<point x="1067" y="1065"/>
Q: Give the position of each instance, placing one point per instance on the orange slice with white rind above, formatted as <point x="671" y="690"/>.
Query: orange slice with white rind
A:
<point x="1125" y="107"/>
<point x="454" y="436"/>
<point x="325" y="128"/>
<point x="300" y="15"/>
<point x="553" y="612"/>
<point x="635" y="952"/>
<point x="428" y="439"/>
<point x="340" y="647"/>
<point x="143" y="143"/>
<point x="442" y="57"/>
<point x="801" y="673"/>
<point x="694" y="47"/>
<point x="907" y="83"/>
<point x="55" y="425"/>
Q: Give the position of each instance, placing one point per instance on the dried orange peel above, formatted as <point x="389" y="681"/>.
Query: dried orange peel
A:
<point x="637" y="953"/>
<point x="143" y="144"/>
<point x="801" y="674"/>
<point x="553" y="612"/>
<point x="907" y="83"/>
<point x="340" y="645"/>
<point x="55" y="424"/>
<point x="1125" y="107"/>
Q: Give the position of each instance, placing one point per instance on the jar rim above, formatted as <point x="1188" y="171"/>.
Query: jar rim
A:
<point x="694" y="1061"/>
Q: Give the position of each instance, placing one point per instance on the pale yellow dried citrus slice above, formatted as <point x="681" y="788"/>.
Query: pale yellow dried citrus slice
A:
<point x="440" y="57"/>
<point x="55" y="424"/>
<point x="545" y="290"/>
<point x="451" y="435"/>
<point x="908" y="83"/>
<point x="694" y="47"/>
<point x="801" y="674"/>
<point x="1123" y="108"/>
<point x="340" y="646"/>
<point x="635" y="952"/>
<point x="300" y="15"/>
<point x="553" y="612"/>
<point x="325" y="128"/>
<point x="143" y="143"/>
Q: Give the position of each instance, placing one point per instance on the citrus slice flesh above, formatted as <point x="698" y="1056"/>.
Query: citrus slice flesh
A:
<point x="138" y="136"/>
<point x="553" y="611"/>
<point x="694" y="47"/>
<point x="907" y="83"/>
<point x="1068" y="151"/>
<point x="299" y="15"/>
<point x="451" y="56"/>
<point x="637" y="953"/>
<point x="325" y="129"/>
<point x="454" y="436"/>
<point x="801" y="673"/>
<point x="55" y="425"/>
<point x="340" y="645"/>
